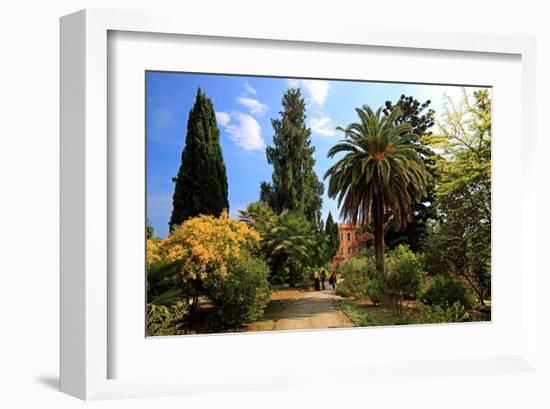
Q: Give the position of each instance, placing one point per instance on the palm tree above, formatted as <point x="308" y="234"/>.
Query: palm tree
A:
<point x="292" y="238"/>
<point x="258" y="215"/>
<point x="380" y="176"/>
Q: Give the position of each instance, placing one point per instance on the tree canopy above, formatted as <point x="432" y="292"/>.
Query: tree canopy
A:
<point x="461" y="243"/>
<point x="422" y="119"/>
<point x="380" y="175"/>
<point x="201" y="182"/>
<point x="294" y="185"/>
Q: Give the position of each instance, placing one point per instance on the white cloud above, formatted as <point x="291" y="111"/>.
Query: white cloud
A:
<point x="223" y="118"/>
<point x="249" y="88"/>
<point x="322" y="126"/>
<point x="317" y="90"/>
<point x="255" y="106"/>
<point x="243" y="129"/>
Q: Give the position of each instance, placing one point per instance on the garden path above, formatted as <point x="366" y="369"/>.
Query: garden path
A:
<point x="313" y="310"/>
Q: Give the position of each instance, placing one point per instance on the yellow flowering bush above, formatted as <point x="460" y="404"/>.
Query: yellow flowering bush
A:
<point x="202" y="246"/>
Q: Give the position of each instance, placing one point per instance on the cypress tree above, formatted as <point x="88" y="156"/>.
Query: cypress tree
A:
<point x="201" y="183"/>
<point x="294" y="185"/>
<point x="331" y="232"/>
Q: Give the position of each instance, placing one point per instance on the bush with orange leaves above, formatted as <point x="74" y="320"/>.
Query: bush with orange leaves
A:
<point x="203" y="247"/>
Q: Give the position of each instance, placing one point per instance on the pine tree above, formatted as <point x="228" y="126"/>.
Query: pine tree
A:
<point x="294" y="185"/>
<point x="331" y="232"/>
<point x="421" y="118"/>
<point x="201" y="183"/>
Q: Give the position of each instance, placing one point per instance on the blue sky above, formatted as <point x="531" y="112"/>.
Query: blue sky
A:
<point x="244" y="106"/>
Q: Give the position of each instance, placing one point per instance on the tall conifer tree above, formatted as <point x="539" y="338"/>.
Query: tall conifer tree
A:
<point x="294" y="184"/>
<point x="331" y="232"/>
<point x="201" y="183"/>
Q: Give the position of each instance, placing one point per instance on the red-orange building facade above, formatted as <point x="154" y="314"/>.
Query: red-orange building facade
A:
<point x="351" y="243"/>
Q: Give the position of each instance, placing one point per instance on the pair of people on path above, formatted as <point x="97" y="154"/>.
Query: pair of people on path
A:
<point x="320" y="276"/>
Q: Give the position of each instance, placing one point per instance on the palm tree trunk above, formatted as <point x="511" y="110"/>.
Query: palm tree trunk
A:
<point x="378" y="218"/>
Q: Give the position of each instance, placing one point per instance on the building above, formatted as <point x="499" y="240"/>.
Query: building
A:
<point x="351" y="243"/>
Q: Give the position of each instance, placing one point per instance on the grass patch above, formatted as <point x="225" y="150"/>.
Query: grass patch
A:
<point x="366" y="315"/>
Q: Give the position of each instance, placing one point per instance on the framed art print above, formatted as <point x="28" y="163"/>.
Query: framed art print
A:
<point x="230" y="191"/>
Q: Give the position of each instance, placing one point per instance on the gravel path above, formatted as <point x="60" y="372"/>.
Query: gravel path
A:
<point x="313" y="310"/>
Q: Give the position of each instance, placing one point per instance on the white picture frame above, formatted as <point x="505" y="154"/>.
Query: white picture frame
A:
<point x="85" y="224"/>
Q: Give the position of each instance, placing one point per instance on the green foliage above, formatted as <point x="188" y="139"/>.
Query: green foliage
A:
<point x="294" y="184"/>
<point x="356" y="274"/>
<point x="418" y="115"/>
<point x="421" y="118"/>
<point x="163" y="320"/>
<point x="461" y="242"/>
<point x="356" y="315"/>
<point x="331" y="232"/>
<point x="402" y="279"/>
<point x="374" y="290"/>
<point x="242" y="295"/>
<point x="358" y="264"/>
<point x="201" y="183"/>
<point x="289" y="243"/>
<point x="380" y="174"/>
<point x="353" y="285"/>
<point x="446" y="291"/>
<point x="149" y="231"/>
<point x="441" y="314"/>
<point x="164" y="286"/>
<point x="404" y="275"/>
<point x="292" y="240"/>
<point x="259" y="216"/>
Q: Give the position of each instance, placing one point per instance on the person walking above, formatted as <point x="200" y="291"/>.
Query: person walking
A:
<point x="316" y="279"/>
<point x="332" y="280"/>
<point x="323" y="278"/>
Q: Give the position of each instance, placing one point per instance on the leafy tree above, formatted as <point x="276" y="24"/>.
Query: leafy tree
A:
<point x="404" y="277"/>
<point x="421" y="118"/>
<point x="331" y="232"/>
<point x="149" y="231"/>
<point x="261" y="218"/>
<point x="380" y="176"/>
<point x="201" y="183"/>
<point x="461" y="243"/>
<point x="198" y="251"/>
<point x="418" y="115"/>
<point x="294" y="184"/>
<point x="293" y="239"/>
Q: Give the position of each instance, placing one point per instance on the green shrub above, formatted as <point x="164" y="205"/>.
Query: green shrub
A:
<point x="404" y="273"/>
<point x="242" y="295"/>
<point x="374" y="290"/>
<point x="445" y="292"/>
<point x="441" y="314"/>
<point x="359" y="264"/>
<point x="353" y="285"/>
<point x="163" y="320"/>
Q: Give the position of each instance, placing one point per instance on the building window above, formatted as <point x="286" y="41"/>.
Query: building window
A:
<point x="349" y="250"/>
<point x="341" y="236"/>
<point x="349" y="236"/>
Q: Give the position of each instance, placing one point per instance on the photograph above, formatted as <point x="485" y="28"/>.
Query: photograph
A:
<point x="288" y="203"/>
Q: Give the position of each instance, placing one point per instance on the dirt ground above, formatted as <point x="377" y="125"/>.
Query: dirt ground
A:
<point x="313" y="310"/>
